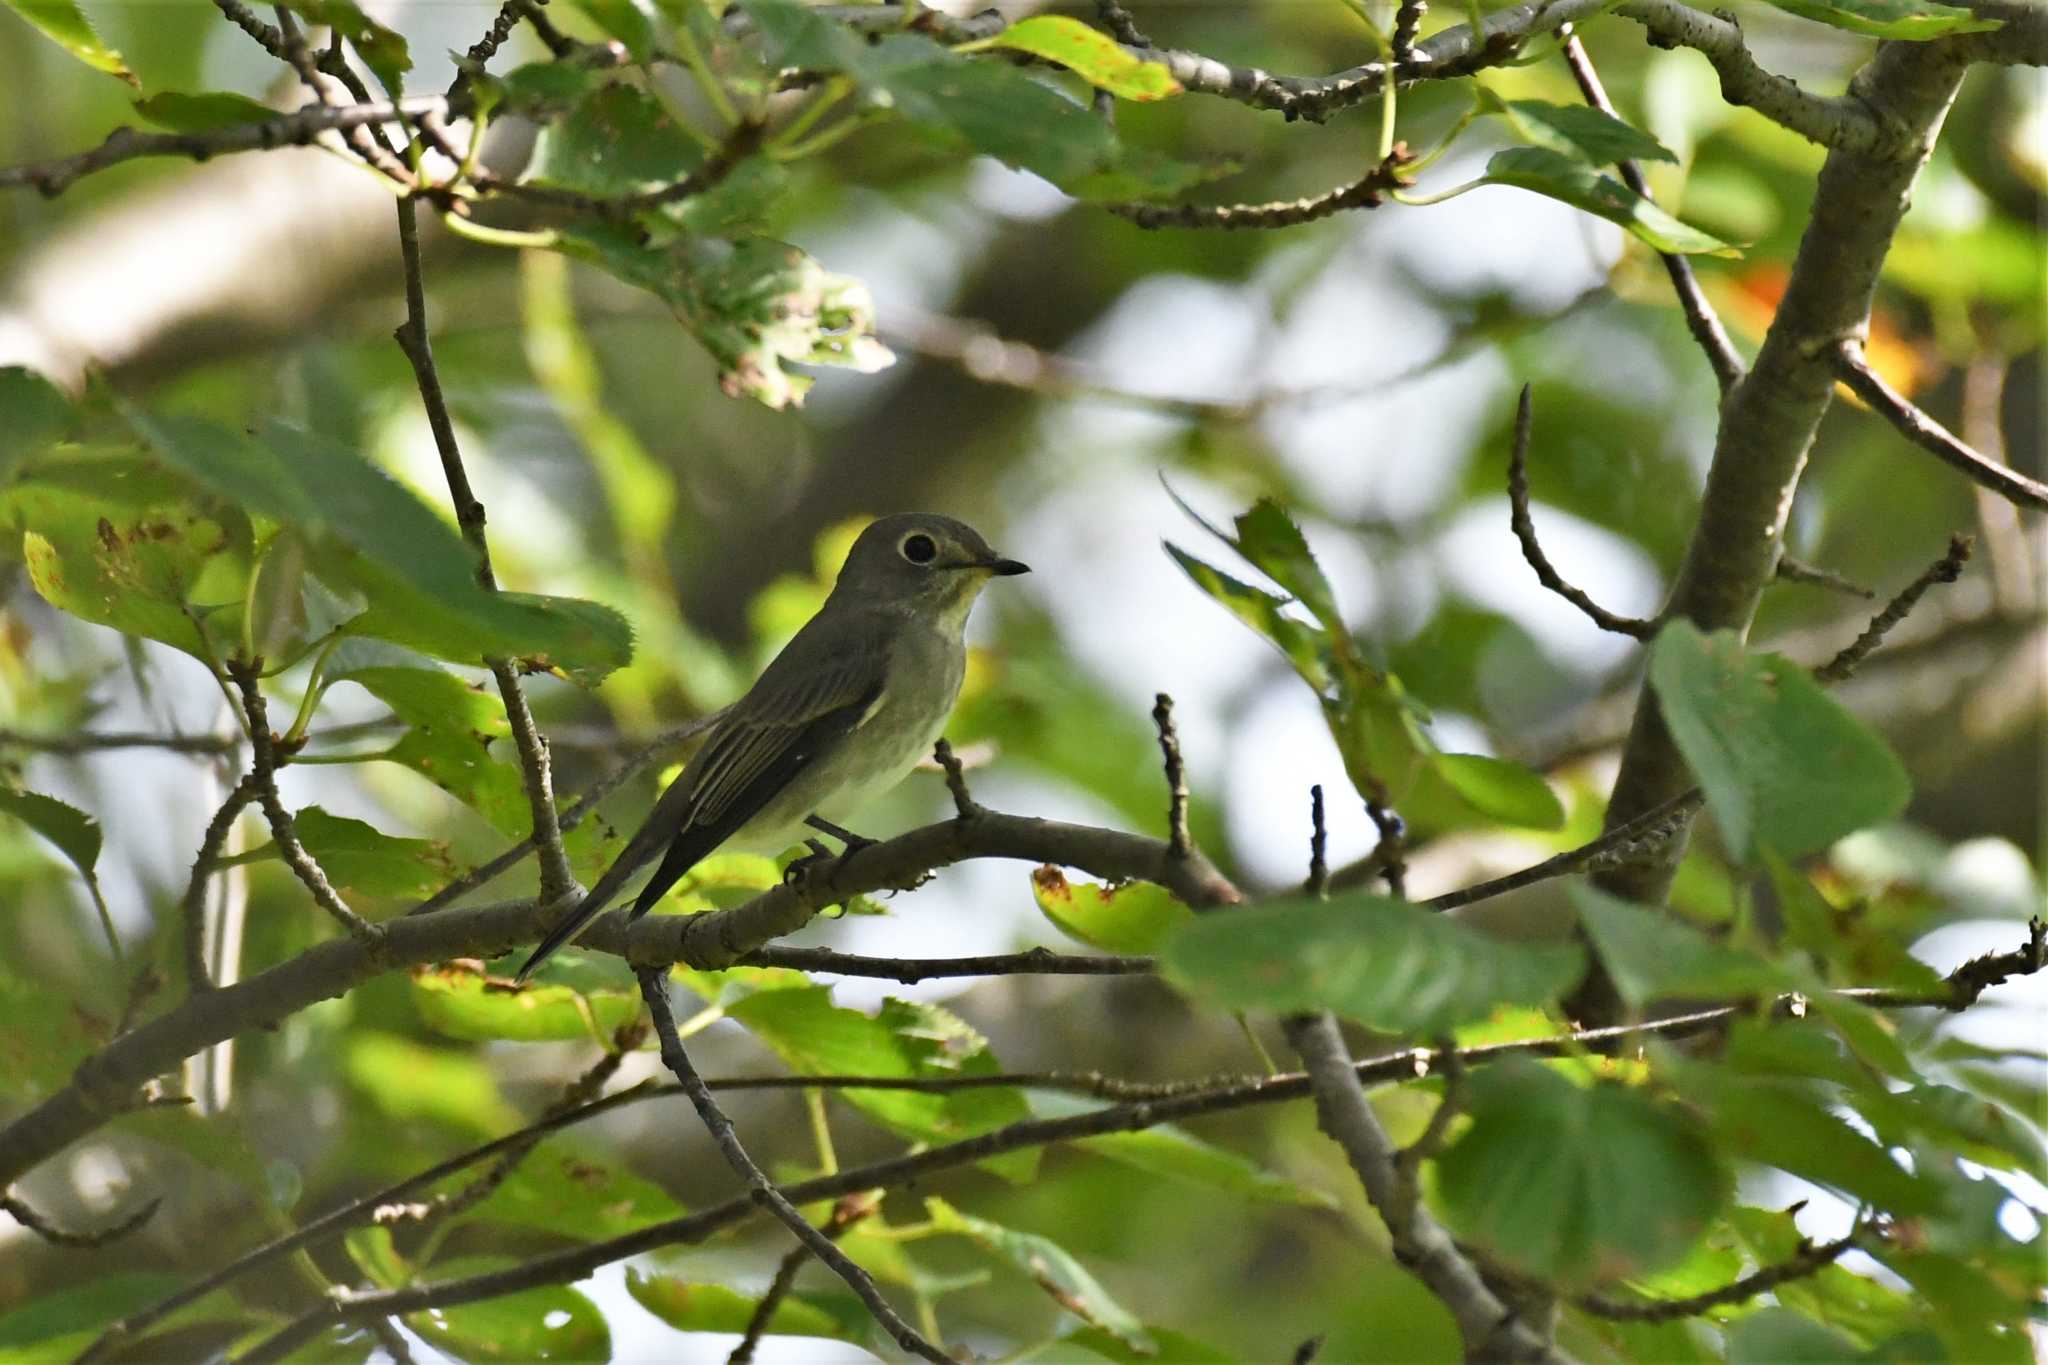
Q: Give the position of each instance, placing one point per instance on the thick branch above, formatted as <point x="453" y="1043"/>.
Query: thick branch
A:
<point x="1931" y="436"/>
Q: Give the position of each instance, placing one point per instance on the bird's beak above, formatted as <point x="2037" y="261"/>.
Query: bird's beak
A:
<point x="1004" y="568"/>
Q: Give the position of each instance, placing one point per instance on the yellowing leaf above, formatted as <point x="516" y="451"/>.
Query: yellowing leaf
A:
<point x="1090" y="54"/>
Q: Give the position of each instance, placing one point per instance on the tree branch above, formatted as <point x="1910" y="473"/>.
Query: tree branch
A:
<point x="1177" y="842"/>
<point x="1365" y="193"/>
<point x="1809" y="1259"/>
<point x="80" y="1241"/>
<point x="1532" y="550"/>
<point x="1930" y="435"/>
<point x="1700" y="318"/>
<point x="192" y="906"/>
<point x="87" y="742"/>
<point x="760" y="1189"/>
<point x="1944" y="570"/>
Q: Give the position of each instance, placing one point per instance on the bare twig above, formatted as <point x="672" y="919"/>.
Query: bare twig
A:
<point x="845" y="1213"/>
<point x="263" y="776"/>
<point x="1944" y="570"/>
<point x="192" y="907"/>
<point x="1121" y="25"/>
<point x="654" y="989"/>
<point x="964" y="805"/>
<point x="1177" y="841"/>
<point x="556" y="880"/>
<point x="1318" y="845"/>
<point x="1525" y="532"/>
<point x="1930" y="435"/>
<point x="1700" y="317"/>
<point x="1367" y="192"/>
<point x="1653" y="829"/>
<point x="56" y="1236"/>
<point x="1809" y="1259"/>
<point x="1407" y="23"/>
<point x="1792" y="570"/>
<point x="86" y="742"/>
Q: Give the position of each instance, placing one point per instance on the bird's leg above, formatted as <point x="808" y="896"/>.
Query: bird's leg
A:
<point x="800" y="868"/>
<point x="854" y="842"/>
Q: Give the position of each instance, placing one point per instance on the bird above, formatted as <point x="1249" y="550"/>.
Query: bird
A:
<point x="842" y="714"/>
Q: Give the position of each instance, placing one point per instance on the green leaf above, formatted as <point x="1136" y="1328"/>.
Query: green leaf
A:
<point x="1787" y="1124"/>
<point x="182" y="113"/>
<point x="567" y="1192"/>
<point x="450" y="726"/>
<point x="59" y="1324"/>
<point x="1951" y="1120"/>
<point x="1859" y="1305"/>
<point x="1131" y="917"/>
<point x="1651" y="955"/>
<point x="755" y="304"/>
<point x="458" y="1003"/>
<point x="76" y="834"/>
<point x="1053" y="1268"/>
<point x="632" y="22"/>
<point x="1577" y="1185"/>
<point x="1506" y="791"/>
<point x="1774" y="1336"/>
<point x="41" y="1047"/>
<point x="905" y="1039"/>
<point x="357" y="856"/>
<point x="1086" y="1345"/>
<point x="552" y="1322"/>
<point x="406" y="1080"/>
<point x="65" y="24"/>
<point x="1783" y="764"/>
<point x="377" y="536"/>
<point x="1167" y="1151"/>
<point x="1572" y="181"/>
<point x="382" y="50"/>
<point x="617" y="140"/>
<point x="1599" y="137"/>
<point x="1913" y="20"/>
<point x="539" y="87"/>
<point x="119" y="541"/>
<point x="1387" y="964"/>
<point x="33" y="413"/>
<point x="1303" y="644"/>
<point x="697" y="1307"/>
<point x="1269" y="540"/>
<point x="1091" y="54"/>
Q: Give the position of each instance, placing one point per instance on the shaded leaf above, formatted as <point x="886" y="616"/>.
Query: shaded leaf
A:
<point x="630" y="21"/>
<point x="697" y="1307"/>
<point x="1167" y="1151"/>
<point x="33" y="413"/>
<point x="1773" y="1336"/>
<point x="1787" y="1124"/>
<point x="1301" y="642"/>
<point x="1131" y="917"/>
<point x="76" y="834"/>
<point x="1651" y="955"/>
<point x="65" y="24"/>
<point x="463" y="1004"/>
<point x="1269" y="540"/>
<point x="1495" y="787"/>
<point x="575" y="1193"/>
<point x="1387" y="964"/>
<point x="1089" y="1344"/>
<point x="381" y="49"/>
<point x="905" y="1039"/>
<point x="1577" y="1184"/>
<point x="357" y="856"/>
<point x="1783" y="764"/>
<point x="1091" y="54"/>
<point x="1914" y="20"/>
<point x="617" y="140"/>
<point x="183" y="113"/>
<point x="1053" y="1268"/>
<point x="1566" y="178"/>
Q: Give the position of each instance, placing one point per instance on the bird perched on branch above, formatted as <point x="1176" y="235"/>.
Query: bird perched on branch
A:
<point x="841" y="715"/>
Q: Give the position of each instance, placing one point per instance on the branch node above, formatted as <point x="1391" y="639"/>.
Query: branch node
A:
<point x="1390" y="854"/>
<point x="1525" y="532"/>
<point x="965" y="807"/>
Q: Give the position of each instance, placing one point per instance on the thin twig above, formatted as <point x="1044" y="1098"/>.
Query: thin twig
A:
<point x="1177" y="841"/>
<point x="1792" y="570"/>
<point x="654" y="989"/>
<point x="1700" y="317"/>
<point x="1809" y="1259"/>
<point x="1525" y="532"/>
<point x="1944" y="570"/>
<point x="845" y="1213"/>
<point x="1930" y="435"/>
<point x="263" y="774"/>
<point x="1625" y="843"/>
<point x="1318" y="845"/>
<point x="1367" y="192"/>
<point x="192" y="907"/>
<point x="1121" y="25"/>
<point x="1407" y="23"/>
<point x="88" y="741"/>
<point x="1390" y="854"/>
<point x="557" y="882"/>
<point x="964" y="805"/>
<point x="909" y="970"/>
<point x="56" y="1236"/>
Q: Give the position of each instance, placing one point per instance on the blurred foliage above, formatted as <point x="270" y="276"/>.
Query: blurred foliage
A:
<point x="919" y="223"/>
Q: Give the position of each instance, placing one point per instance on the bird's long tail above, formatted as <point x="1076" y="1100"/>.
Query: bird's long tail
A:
<point x="589" y="908"/>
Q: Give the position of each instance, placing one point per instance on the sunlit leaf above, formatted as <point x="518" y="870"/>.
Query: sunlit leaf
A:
<point x="1913" y="20"/>
<point x="407" y="1080"/>
<point x="381" y="49"/>
<point x="1384" y="963"/>
<point x="1506" y="791"/>
<point x="1091" y="54"/>
<point x="1599" y="137"/>
<point x="691" y="1306"/>
<point x="357" y="856"/>
<point x="1054" y="1270"/>
<point x="617" y="140"/>
<point x="183" y="113"/>
<point x="65" y="24"/>
<point x="1783" y="764"/>
<point x="463" y="1004"/>
<point x="450" y="725"/>
<point x="1577" y="1184"/>
<point x="1134" y="917"/>
<point x="1572" y="181"/>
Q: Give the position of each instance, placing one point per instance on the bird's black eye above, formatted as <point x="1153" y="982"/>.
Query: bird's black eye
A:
<point x="919" y="548"/>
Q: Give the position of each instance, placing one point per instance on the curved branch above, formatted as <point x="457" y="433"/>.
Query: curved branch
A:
<point x="1532" y="549"/>
<point x="1931" y="436"/>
